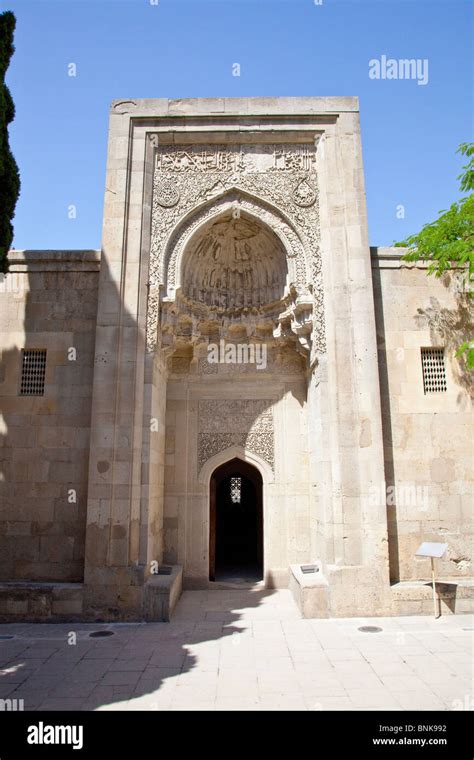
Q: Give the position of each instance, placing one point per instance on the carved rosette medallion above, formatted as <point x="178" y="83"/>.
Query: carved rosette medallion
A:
<point x="167" y="194"/>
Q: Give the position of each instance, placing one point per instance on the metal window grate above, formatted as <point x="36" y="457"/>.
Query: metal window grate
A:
<point x="33" y="370"/>
<point x="434" y="370"/>
<point x="235" y="490"/>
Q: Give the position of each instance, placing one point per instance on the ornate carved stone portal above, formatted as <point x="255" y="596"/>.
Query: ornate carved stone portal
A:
<point x="235" y="257"/>
<point x="213" y="239"/>
<point x="235" y="242"/>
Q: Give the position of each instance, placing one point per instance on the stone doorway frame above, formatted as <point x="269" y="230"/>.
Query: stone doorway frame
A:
<point x="266" y="473"/>
<point x="222" y="472"/>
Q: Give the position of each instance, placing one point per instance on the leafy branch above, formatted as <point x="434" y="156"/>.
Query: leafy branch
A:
<point x="447" y="244"/>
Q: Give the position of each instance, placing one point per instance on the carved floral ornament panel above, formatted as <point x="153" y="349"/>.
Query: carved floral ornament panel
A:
<point x="246" y="423"/>
<point x="275" y="183"/>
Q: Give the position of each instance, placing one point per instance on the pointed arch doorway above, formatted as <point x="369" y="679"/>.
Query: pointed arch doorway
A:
<point x="236" y="523"/>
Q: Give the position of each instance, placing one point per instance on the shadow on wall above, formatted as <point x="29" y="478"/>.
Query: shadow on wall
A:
<point x="386" y="409"/>
<point x="447" y="593"/>
<point x="49" y="302"/>
<point x="448" y="327"/>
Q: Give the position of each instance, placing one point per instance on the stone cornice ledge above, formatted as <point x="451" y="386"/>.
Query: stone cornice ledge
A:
<point x="255" y="106"/>
<point x="56" y="261"/>
<point x="390" y="257"/>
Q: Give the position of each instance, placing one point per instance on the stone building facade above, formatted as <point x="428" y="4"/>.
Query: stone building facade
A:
<point x="236" y="367"/>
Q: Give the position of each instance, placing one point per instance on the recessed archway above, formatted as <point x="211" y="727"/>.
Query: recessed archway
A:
<point x="236" y="523"/>
<point x="235" y="262"/>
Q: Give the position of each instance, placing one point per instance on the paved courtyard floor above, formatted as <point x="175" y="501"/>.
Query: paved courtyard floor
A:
<point x="242" y="649"/>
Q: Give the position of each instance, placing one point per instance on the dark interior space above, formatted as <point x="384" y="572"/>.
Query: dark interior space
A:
<point x="236" y="539"/>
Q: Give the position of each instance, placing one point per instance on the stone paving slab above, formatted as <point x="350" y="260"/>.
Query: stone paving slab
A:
<point x="229" y="650"/>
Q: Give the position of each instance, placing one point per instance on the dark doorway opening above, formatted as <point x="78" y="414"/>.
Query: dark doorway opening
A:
<point x="236" y="523"/>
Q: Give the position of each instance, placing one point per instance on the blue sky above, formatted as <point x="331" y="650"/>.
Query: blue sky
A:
<point x="173" y="49"/>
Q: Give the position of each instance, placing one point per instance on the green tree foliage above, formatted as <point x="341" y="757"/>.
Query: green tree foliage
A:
<point x="9" y="177"/>
<point x="447" y="244"/>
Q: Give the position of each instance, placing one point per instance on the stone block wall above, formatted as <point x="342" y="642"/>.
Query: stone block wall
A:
<point x="47" y="301"/>
<point x="427" y="436"/>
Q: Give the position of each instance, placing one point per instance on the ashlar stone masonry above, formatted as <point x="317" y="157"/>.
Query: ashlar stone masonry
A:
<point x="232" y="222"/>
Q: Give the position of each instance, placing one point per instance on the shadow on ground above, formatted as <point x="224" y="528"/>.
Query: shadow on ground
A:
<point x="59" y="667"/>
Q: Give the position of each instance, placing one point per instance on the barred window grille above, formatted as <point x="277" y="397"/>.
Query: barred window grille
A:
<point x="434" y="370"/>
<point x="33" y="370"/>
<point x="235" y="490"/>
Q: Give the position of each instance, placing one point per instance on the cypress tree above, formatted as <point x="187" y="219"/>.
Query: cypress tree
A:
<point x="9" y="176"/>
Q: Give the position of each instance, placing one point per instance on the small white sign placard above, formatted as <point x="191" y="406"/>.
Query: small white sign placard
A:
<point x="431" y="549"/>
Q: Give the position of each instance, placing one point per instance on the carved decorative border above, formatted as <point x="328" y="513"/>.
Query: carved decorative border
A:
<point x="212" y="178"/>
